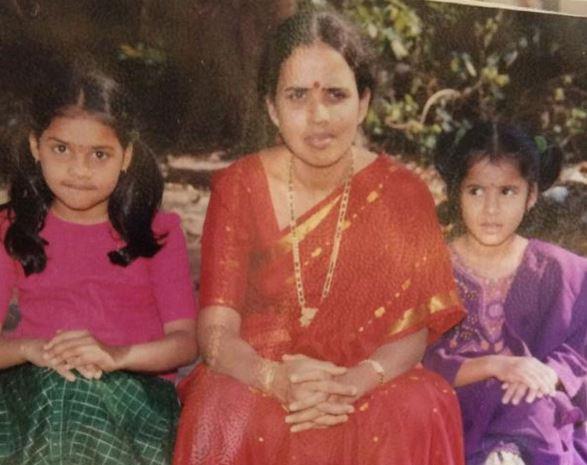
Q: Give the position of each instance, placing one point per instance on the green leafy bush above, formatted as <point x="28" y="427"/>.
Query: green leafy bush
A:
<point x="442" y="66"/>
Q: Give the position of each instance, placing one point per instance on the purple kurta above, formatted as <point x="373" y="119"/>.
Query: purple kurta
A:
<point x="542" y="313"/>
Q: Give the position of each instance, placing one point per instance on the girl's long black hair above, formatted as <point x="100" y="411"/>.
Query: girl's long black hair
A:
<point x="82" y="87"/>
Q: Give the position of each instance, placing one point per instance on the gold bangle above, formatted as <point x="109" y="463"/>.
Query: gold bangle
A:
<point x="377" y="367"/>
<point x="267" y="369"/>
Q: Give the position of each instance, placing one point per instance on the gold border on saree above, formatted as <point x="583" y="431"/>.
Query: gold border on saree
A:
<point x="415" y="315"/>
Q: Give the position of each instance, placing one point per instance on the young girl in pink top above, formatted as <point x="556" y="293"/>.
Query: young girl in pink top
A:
<point x="102" y="281"/>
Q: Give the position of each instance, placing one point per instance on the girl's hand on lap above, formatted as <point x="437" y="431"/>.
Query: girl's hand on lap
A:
<point x="33" y="351"/>
<point x="527" y="371"/>
<point x="89" y="371"/>
<point x="515" y="392"/>
<point x="79" y="349"/>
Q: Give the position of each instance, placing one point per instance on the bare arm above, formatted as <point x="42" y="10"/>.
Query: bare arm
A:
<point x="521" y="377"/>
<point x="394" y="357"/>
<point x="17" y="351"/>
<point x="224" y="351"/>
<point x="78" y="348"/>
<point x="476" y="369"/>
<point x="177" y="348"/>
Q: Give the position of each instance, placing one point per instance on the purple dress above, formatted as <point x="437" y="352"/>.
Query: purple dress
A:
<point x="541" y="310"/>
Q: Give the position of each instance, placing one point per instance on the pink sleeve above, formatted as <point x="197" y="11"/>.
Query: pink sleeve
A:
<point x="8" y="274"/>
<point x="170" y="271"/>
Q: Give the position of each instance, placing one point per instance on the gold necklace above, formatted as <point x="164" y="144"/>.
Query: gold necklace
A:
<point x="308" y="313"/>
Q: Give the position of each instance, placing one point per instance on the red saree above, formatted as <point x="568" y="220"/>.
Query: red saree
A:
<point x="393" y="277"/>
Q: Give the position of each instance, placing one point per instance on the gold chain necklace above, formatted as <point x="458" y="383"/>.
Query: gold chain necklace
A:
<point x="308" y="313"/>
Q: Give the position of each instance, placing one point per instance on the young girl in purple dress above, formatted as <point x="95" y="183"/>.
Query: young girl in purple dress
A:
<point x="102" y="279"/>
<point x="518" y="360"/>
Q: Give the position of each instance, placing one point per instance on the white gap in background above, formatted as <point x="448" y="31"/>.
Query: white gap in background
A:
<point x="561" y="7"/>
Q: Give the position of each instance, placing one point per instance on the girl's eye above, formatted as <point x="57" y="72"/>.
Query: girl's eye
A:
<point x="509" y="190"/>
<point x="475" y="191"/>
<point x="100" y="155"/>
<point x="60" y="148"/>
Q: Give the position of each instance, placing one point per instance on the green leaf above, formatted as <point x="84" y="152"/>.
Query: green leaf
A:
<point x="398" y="49"/>
<point x="541" y="143"/>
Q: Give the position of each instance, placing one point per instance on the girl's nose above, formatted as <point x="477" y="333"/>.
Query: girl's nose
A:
<point x="80" y="167"/>
<point x="491" y="204"/>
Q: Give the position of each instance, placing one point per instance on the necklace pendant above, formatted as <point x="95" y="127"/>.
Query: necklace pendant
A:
<point x="308" y="314"/>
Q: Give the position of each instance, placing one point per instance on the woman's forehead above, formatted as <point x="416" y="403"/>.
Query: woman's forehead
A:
<point x="316" y="65"/>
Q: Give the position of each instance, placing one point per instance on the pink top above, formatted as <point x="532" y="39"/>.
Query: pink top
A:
<point x="81" y="289"/>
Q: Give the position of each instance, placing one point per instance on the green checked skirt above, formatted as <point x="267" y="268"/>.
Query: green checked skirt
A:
<point x="121" y="419"/>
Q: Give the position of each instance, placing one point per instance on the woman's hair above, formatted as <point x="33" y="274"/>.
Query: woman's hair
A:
<point x="71" y="88"/>
<point x="538" y="162"/>
<point x="306" y="28"/>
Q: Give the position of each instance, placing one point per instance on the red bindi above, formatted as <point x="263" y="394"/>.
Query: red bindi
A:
<point x="316" y="85"/>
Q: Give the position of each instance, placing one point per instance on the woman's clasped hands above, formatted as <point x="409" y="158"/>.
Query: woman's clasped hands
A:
<point x="313" y="392"/>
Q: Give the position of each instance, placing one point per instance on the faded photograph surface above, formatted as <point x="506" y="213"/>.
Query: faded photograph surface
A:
<point x="375" y="211"/>
<point x="564" y="7"/>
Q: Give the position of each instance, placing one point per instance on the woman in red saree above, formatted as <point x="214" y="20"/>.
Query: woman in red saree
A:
<point x="324" y="250"/>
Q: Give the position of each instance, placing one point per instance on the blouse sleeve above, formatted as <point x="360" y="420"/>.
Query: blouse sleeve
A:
<point x="8" y="274"/>
<point x="431" y="297"/>
<point x="226" y="242"/>
<point x="170" y="272"/>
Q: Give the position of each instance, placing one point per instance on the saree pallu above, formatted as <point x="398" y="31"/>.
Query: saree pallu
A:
<point x="121" y="419"/>
<point x="393" y="278"/>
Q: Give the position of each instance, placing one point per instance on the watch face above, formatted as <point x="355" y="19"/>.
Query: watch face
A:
<point x="561" y="7"/>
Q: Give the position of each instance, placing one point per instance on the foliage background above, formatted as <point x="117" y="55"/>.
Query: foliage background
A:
<point x="444" y="65"/>
<point x="194" y="63"/>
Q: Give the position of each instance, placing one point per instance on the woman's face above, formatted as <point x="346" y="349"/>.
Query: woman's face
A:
<point x="317" y="108"/>
<point x="494" y="199"/>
